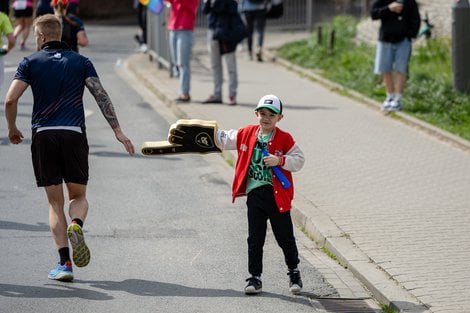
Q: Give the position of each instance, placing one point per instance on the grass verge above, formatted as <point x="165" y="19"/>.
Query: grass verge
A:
<point x="429" y="94"/>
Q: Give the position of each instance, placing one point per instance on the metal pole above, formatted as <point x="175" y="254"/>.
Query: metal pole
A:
<point x="309" y="15"/>
<point x="461" y="46"/>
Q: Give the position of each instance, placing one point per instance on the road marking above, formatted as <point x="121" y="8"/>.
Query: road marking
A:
<point x="191" y="263"/>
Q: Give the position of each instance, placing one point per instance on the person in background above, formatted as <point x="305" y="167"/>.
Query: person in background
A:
<point x="44" y="7"/>
<point x="400" y="22"/>
<point x="6" y="30"/>
<point x="73" y="7"/>
<point x="255" y="17"/>
<point x="23" y="11"/>
<point x="181" y="26"/>
<point x="5" y="6"/>
<point x="142" y="21"/>
<point x="226" y="30"/>
<point x="73" y="29"/>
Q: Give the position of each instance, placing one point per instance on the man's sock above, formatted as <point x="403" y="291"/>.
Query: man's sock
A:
<point x="78" y="221"/>
<point x="390" y="96"/>
<point x="397" y="96"/>
<point x="64" y="254"/>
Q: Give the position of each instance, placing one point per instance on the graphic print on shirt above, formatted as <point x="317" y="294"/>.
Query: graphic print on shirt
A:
<point x="258" y="170"/>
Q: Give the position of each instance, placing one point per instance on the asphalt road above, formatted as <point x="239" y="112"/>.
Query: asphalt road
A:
<point x="163" y="232"/>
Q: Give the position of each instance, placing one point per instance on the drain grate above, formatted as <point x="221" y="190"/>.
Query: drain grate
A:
<point x="345" y="306"/>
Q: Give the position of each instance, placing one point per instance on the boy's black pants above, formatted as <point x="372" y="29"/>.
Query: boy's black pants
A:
<point x="261" y="207"/>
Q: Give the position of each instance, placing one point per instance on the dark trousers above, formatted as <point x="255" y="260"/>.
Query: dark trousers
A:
<point x="142" y="19"/>
<point x="261" y="207"/>
<point x="255" y="20"/>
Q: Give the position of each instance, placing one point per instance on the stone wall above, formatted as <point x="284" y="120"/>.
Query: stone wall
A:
<point x="439" y="12"/>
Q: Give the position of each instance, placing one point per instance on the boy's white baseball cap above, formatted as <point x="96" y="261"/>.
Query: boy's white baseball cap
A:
<point x="270" y="102"/>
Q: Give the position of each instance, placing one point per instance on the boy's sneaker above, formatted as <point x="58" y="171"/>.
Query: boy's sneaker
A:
<point x="395" y="105"/>
<point x="254" y="286"/>
<point x="295" y="282"/>
<point x="386" y="105"/>
<point x="62" y="272"/>
<point x="81" y="253"/>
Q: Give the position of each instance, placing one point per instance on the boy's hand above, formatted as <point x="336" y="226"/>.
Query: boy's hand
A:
<point x="271" y="160"/>
<point x="186" y="135"/>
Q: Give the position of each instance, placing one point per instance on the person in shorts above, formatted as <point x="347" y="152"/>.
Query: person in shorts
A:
<point x="57" y="76"/>
<point x="73" y="29"/>
<point x="23" y="11"/>
<point x="6" y="30"/>
<point x="400" y="22"/>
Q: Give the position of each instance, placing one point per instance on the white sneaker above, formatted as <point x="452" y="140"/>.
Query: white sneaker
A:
<point x="387" y="105"/>
<point x="143" y="48"/>
<point x="395" y="105"/>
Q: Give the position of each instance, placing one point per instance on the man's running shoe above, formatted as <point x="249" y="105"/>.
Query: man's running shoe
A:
<point x="81" y="253"/>
<point x="62" y="272"/>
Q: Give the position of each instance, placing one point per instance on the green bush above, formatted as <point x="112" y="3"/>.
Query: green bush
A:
<point x="429" y="94"/>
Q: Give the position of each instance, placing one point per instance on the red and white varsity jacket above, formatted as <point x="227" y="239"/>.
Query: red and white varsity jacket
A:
<point x="281" y="144"/>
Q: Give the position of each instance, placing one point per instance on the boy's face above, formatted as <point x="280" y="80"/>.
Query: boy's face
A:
<point x="267" y="119"/>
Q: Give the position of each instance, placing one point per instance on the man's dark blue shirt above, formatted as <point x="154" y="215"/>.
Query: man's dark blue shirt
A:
<point x="57" y="76"/>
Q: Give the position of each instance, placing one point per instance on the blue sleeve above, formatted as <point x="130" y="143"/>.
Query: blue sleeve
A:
<point x="22" y="72"/>
<point x="90" y="69"/>
<point x="78" y="21"/>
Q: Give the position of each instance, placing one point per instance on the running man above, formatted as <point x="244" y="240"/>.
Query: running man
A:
<point x="59" y="146"/>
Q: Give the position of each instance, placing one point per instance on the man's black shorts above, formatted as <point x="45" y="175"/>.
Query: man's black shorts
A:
<point x="60" y="155"/>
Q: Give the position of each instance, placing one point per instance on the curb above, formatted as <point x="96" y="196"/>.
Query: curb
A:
<point x="318" y="225"/>
<point x="320" y="228"/>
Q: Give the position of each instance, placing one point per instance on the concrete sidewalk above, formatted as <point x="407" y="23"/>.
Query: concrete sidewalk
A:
<point x="389" y="200"/>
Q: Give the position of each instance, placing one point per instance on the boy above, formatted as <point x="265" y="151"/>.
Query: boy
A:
<point x="267" y="199"/>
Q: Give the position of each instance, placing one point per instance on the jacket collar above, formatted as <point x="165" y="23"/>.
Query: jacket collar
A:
<point x="55" y="45"/>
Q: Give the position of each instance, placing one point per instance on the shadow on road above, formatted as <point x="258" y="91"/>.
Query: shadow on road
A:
<point x="141" y="287"/>
<point x="57" y="291"/>
<point x="26" y="227"/>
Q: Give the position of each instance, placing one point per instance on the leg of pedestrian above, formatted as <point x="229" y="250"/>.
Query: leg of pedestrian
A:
<point x="216" y="67"/>
<point x="231" y="62"/>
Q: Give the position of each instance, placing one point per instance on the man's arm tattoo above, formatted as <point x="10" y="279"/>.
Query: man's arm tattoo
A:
<point x="102" y="99"/>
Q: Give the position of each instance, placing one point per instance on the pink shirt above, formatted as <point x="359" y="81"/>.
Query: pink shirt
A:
<point x="182" y="14"/>
<point x="22" y="4"/>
